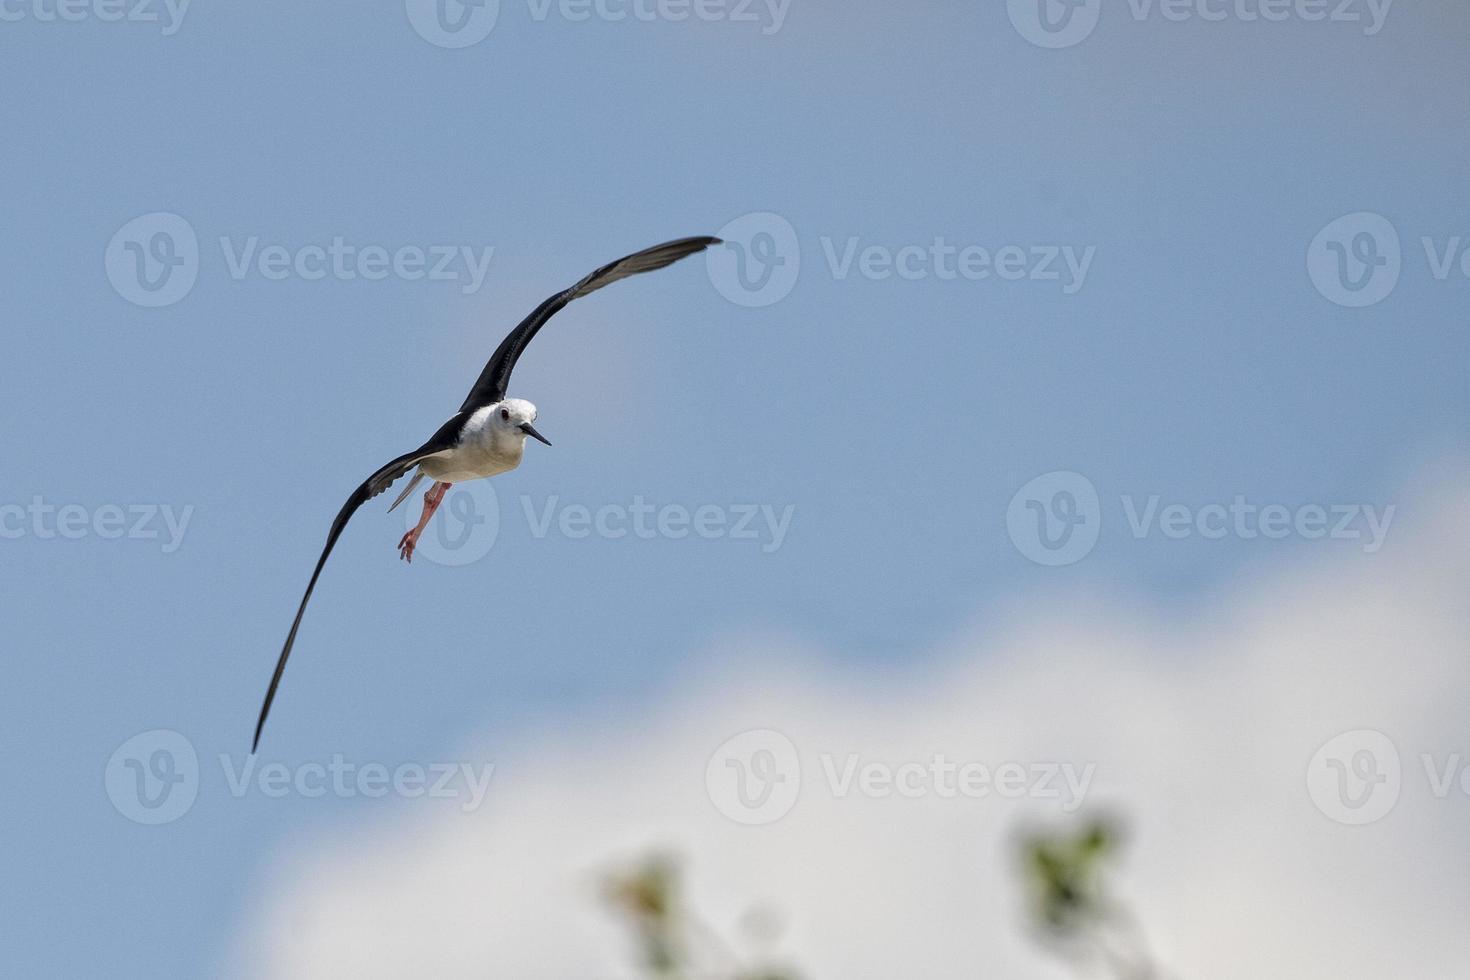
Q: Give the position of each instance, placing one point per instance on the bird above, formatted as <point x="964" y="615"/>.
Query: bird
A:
<point x="485" y="438"/>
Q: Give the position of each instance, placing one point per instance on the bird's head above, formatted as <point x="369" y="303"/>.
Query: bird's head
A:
<point x="514" y="417"/>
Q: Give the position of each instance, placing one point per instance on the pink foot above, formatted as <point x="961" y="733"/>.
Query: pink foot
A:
<point x="432" y="499"/>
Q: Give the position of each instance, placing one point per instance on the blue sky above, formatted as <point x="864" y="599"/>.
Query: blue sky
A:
<point x="1196" y="361"/>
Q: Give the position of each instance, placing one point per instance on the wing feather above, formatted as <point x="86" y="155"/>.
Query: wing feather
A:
<point x="494" y="380"/>
<point x="370" y="488"/>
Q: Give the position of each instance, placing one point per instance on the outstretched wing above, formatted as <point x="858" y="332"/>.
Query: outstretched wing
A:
<point x="371" y="487"/>
<point x="495" y="379"/>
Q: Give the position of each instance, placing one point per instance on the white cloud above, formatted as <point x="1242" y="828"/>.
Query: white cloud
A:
<point x="1202" y="728"/>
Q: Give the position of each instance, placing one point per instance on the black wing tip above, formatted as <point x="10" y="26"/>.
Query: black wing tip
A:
<point x="682" y="246"/>
<point x="697" y="243"/>
<point x="659" y="256"/>
<point x="259" y="727"/>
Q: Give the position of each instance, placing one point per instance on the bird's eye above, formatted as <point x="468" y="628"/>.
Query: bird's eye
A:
<point x="505" y="415"/>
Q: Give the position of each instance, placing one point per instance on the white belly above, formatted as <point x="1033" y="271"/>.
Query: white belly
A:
<point x="482" y="451"/>
<point x="469" y="462"/>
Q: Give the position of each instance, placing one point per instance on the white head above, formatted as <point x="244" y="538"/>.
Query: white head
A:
<point x="512" y="419"/>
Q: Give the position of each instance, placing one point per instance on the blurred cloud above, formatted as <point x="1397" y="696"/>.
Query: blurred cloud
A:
<point x="1205" y="733"/>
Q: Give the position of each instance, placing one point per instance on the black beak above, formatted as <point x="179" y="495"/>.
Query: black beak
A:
<point x="530" y="430"/>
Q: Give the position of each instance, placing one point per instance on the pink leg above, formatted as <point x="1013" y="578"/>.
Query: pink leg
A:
<point x="432" y="499"/>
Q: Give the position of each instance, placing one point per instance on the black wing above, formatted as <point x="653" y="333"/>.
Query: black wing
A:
<point x="495" y="379"/>
<point x="370" y="488"/>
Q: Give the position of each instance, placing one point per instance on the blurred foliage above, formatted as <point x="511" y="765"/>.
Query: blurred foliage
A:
<point x="1065" y="872"/>
<point x="1066" y="875"/>
<point x="647" y="896"/>
<point x="674" y="943"/>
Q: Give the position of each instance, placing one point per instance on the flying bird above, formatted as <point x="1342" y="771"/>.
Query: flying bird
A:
<point x="485" y="437"/>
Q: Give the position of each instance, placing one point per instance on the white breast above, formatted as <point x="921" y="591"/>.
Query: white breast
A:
<point x="483" y="450"/>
